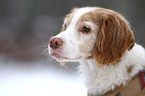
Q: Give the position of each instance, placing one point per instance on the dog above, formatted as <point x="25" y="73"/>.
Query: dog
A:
<point x="102" y="41"/>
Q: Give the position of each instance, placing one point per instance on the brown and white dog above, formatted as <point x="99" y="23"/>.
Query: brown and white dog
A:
<point x="103" y="42"/>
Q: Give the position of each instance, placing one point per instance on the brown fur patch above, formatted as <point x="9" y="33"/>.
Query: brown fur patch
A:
<point x="68" y="19"/>
<point x="114" y="37"/>
<point x="130" y="69"/>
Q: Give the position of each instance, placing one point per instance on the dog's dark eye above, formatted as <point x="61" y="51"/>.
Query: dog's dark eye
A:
<point x="64" y="27"/>
<point x="85" y="29"/>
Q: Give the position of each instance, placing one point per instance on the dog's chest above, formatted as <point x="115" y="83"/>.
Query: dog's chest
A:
<point x="101" y="80"/>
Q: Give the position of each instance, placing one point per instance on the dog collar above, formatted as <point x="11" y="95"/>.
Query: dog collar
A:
<point x="136" y="87"/>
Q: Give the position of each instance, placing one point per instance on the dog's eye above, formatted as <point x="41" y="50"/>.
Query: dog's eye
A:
<point x="85" y="29"/>
<point x="65" y="27"/>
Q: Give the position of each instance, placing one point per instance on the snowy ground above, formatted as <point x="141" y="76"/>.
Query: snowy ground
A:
<point x="29" y="79"/>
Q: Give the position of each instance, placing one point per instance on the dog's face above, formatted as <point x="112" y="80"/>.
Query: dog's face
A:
<point x="78" y="37"/>
<point x="92" y="32"/>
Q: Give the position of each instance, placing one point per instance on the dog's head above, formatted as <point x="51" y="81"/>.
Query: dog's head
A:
<point x="92" y="32"/>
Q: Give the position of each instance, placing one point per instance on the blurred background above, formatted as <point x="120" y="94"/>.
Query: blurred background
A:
<point x="25" y="28"/>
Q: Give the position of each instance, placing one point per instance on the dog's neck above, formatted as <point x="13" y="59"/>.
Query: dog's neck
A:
<point x="100" y="80"/>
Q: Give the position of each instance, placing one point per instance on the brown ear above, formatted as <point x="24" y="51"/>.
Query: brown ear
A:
<point x="114" y="37"/>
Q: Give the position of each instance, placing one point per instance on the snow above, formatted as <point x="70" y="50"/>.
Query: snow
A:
<point x="29" y="79"/>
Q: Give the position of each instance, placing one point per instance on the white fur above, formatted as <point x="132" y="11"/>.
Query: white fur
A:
<point x="100" y="80"/>
<point x="79" y="13"/>
<point x="78" y="46"/>
<point x="74" y="40"/>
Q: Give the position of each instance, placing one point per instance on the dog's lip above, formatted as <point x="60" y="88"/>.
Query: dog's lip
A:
<point x="57" y="55"/>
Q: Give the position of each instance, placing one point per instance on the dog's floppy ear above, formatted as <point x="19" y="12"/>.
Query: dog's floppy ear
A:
<point x="114" y="37"/>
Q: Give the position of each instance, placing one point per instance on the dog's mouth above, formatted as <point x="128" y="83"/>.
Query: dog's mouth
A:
<point x="59" y="57"/>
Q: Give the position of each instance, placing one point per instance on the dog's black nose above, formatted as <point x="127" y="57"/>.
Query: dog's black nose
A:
<point x="55" y="43"/>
